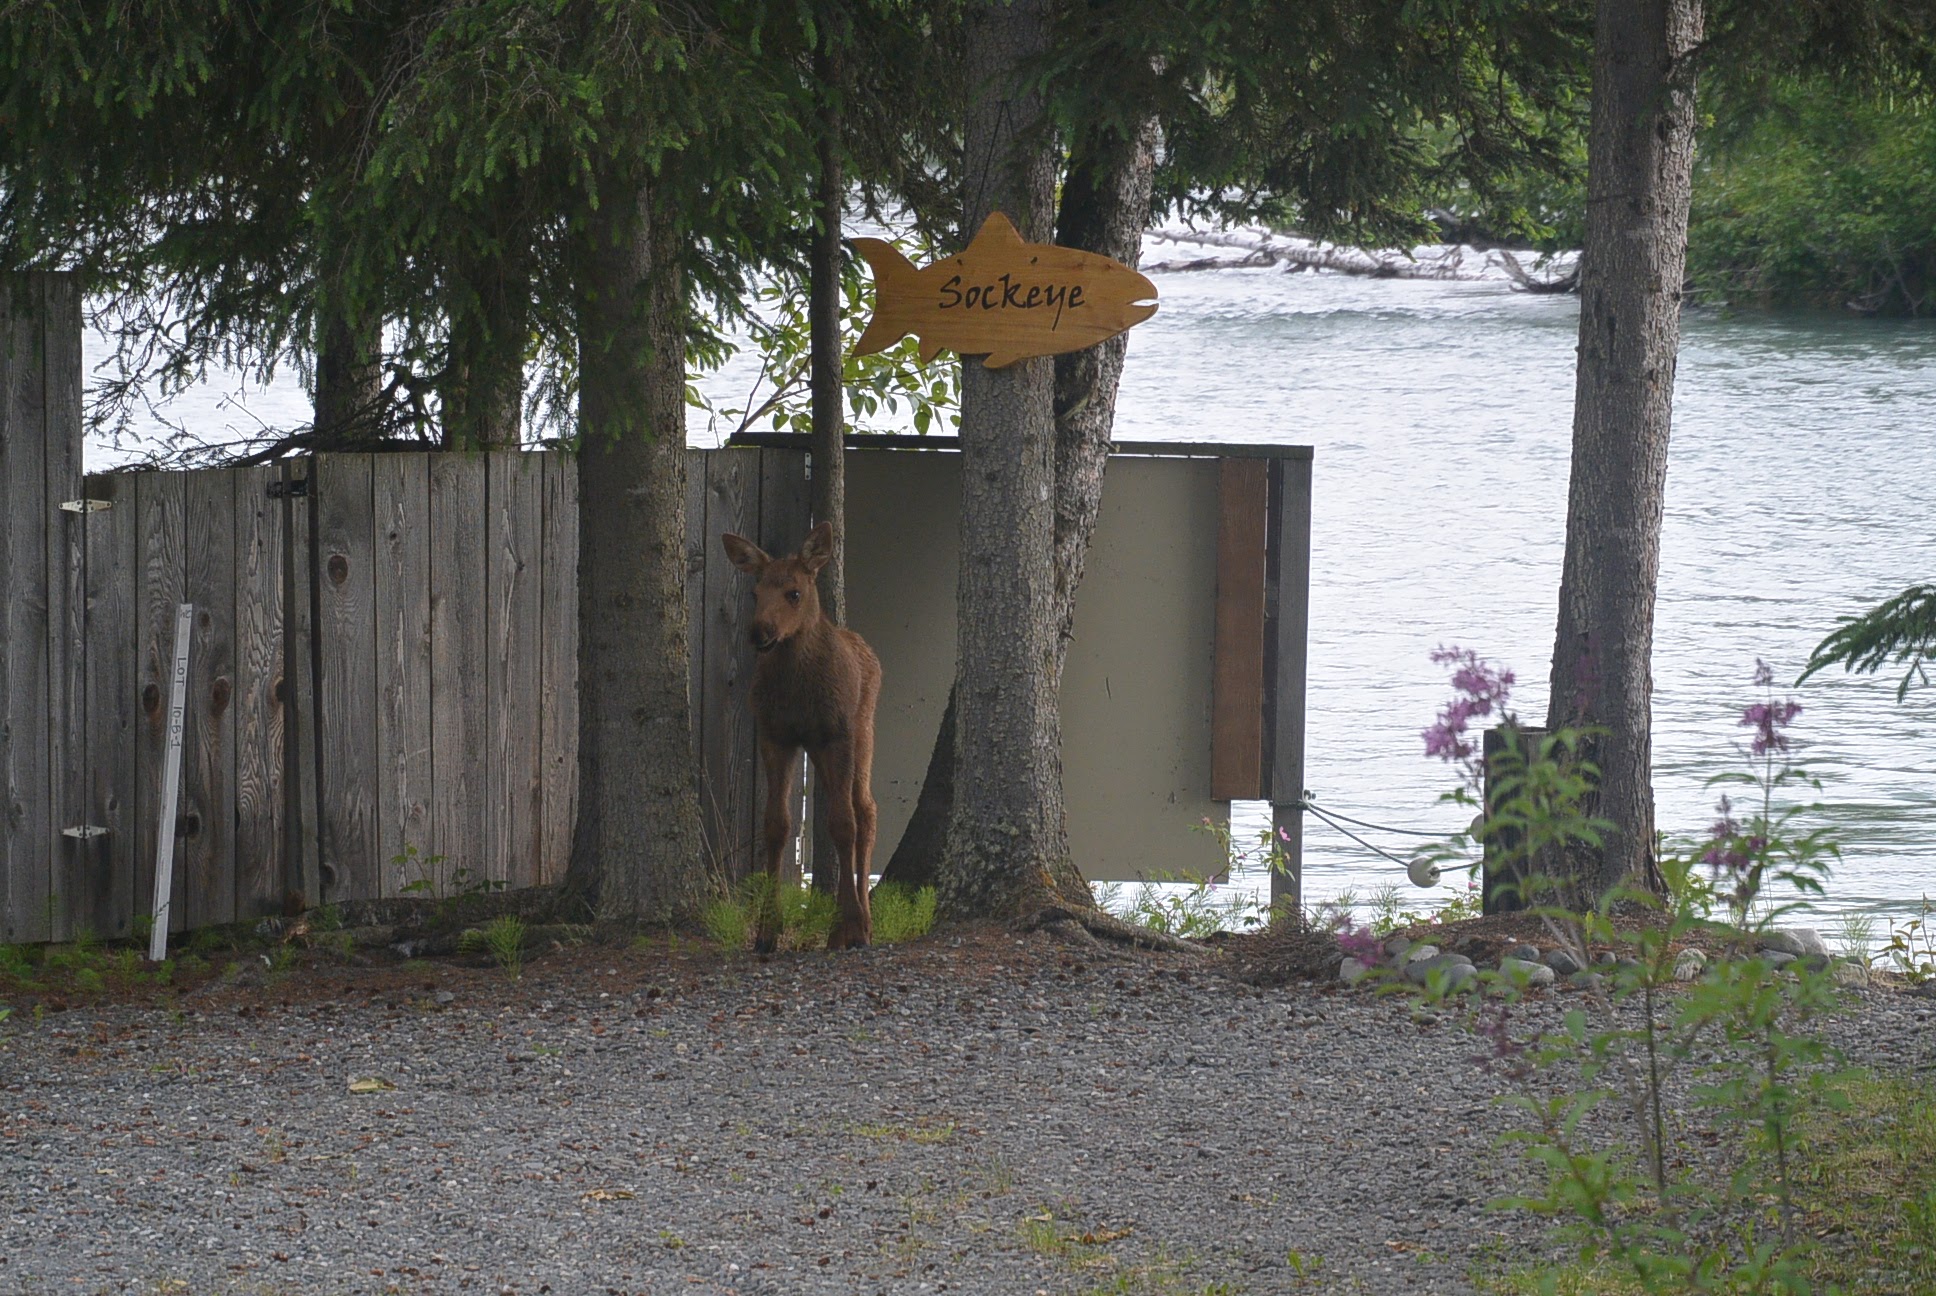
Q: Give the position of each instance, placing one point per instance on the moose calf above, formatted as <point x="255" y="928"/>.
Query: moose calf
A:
<point x="815" y="687"/>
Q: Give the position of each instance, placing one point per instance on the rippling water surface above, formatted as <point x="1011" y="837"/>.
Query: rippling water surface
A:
<point x="1802" y="487"/>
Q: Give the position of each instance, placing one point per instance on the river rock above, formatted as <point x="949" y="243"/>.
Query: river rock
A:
<point x="1605" y="958"/>
<point x="1457" y="970"/>
<point x="1420" y="953"/>
<point x="1524" y="953"/>
<point x="1562" y="963"/>
<point x="1395" y="948"/>
<point x="1689" y="965"/>
<point x="1527" y="971"/>
<point x="1794" y="940"/>
<point x="1776" y="959"/>
<point x="1586" y="980"/>
<point x="1351" y="971"/>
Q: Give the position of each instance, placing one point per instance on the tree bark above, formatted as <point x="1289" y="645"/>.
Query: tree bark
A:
<point x="636" y="854"/>
<point x="349" y="383"/>
<point x="1640" y="152"/>
<point x="483" y="394"/>
<point x="1005" y="833"/>
<point x="1105" y="205"/>
<point x="828" y="502"/>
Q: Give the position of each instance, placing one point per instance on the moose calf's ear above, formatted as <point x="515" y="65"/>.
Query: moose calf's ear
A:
<point x="745" y="555"/>
<point x="817" y="550"/>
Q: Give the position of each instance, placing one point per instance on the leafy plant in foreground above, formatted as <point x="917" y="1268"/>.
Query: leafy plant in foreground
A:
<point x="1735" y="1041"/>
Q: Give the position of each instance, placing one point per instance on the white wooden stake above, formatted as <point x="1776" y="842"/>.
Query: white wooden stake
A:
<point x="171" y="784"/>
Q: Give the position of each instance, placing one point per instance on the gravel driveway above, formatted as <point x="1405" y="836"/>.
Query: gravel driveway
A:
<point x="979" y="1113"/>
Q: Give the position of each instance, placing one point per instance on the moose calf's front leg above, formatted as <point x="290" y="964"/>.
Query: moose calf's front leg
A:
<point x="775" y="835"/>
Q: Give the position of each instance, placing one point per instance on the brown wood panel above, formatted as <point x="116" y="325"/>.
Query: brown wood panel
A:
<point x="514" y="787"/>
<point x="1237" y="673"/>
<point x="345" y="630"/>
<point x="785" y="519"/>
<point x="159" y="536"/>
<point x="699" y="547"/>
<point x="402" y="494"/>
<point x="113" y="708"/>
<point x="458" y="732"/>
<point x="301" y="655"/>
<point x="729" y="761"/>
<point x="24" y="783"/>
<point x="558" y="675"/>
<point x="261" y="879"/>
<point x="208" y="755"/>
<point x="76" y="875"/>
<point x="1287" y="643"/>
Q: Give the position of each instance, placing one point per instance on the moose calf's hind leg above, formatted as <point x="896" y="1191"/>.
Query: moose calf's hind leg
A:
<point x="775" y="835"/>
<point x="835" y="766"/>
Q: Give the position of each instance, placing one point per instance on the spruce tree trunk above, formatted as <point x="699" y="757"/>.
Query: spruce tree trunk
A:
<point x="828" y="502"/>
<point x="1005" y="833"/>
<point x="349" y="383"/>
<point x="483" y="394"/>
<point x="636" y="854"/>
<point x="1104" y="208"/>
<point x="1640" y="152"/>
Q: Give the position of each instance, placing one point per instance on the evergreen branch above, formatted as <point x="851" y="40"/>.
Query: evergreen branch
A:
<point x="1903" y="629"/>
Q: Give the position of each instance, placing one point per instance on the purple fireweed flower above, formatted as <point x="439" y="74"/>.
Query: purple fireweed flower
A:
<point x="1480" y="691"/>
<point x="1359" y="943"/>
<point x="1768" y="719"/>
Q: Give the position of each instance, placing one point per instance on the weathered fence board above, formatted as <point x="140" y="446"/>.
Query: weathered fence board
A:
<point x="514" y="788"/>
<point x="558" y="674"/>
<point x="302" y="854"/>
<point x="207" y="810"/>
<point x="457" y="664"/>
<point x="113" y="709"/>
<point x="25" y="824"/>
<point x="728" y="745"/>
<point x="343" y="571"/>
<point x="403" y="687"/>
<point x="72" y="882"/>
<point x="257" y="699"/>
<point x="160" y="566"/>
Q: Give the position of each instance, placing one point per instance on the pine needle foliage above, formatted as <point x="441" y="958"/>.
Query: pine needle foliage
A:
<point x="1901" y="631"/>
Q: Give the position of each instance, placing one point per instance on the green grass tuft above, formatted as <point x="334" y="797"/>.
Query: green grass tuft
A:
<point x="901" y="915"/>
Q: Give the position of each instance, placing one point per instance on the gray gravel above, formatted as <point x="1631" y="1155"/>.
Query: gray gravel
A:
<point x="946" y="1116"/>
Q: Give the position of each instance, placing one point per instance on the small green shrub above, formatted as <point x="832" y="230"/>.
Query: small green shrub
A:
<point x="502" y="938"/>
<point x="725" y="921"/>
<point x="900" y="914"/>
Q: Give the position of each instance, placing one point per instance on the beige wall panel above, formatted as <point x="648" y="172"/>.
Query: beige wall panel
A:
<point x="1136" y="695"/>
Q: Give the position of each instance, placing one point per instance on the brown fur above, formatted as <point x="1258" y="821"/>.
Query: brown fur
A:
<point x="815" y="688"/>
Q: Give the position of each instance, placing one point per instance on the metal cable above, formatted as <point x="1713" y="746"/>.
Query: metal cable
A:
<point x="1377" y="850"/>
<point x="1309" y="804"/>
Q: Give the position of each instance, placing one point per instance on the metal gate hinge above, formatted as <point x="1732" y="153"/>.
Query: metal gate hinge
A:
<point x="296" y="489"/>
<point x="85" y="832"/>
<point x="86" y="506"/>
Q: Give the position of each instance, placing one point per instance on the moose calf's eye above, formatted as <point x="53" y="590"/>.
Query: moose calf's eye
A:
<point x="793" y="596"/>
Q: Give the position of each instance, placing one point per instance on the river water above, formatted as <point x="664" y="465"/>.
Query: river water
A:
<point x="1801" y="488"/>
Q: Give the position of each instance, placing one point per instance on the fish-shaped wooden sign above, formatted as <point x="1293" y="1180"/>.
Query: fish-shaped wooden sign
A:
<point x="1001" y="298"/>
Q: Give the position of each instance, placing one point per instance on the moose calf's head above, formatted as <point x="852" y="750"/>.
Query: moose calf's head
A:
<point x="785" y="600"/>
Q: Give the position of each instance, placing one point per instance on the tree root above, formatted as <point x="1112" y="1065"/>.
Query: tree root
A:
<point x="1096" y="923"/>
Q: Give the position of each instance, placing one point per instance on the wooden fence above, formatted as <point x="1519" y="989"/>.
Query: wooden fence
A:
<point x="382" y="676"/>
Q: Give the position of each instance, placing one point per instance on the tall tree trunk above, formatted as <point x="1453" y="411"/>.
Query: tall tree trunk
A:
<point x="1640" y="152"/>
<point x="1005" y="833"/>
<point x="483" y="392"/>
<point x="829" y="452"/>
<point x="636" y="855"/>
<point x="349" y="382"/>
<point x="1104" y="208"/>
